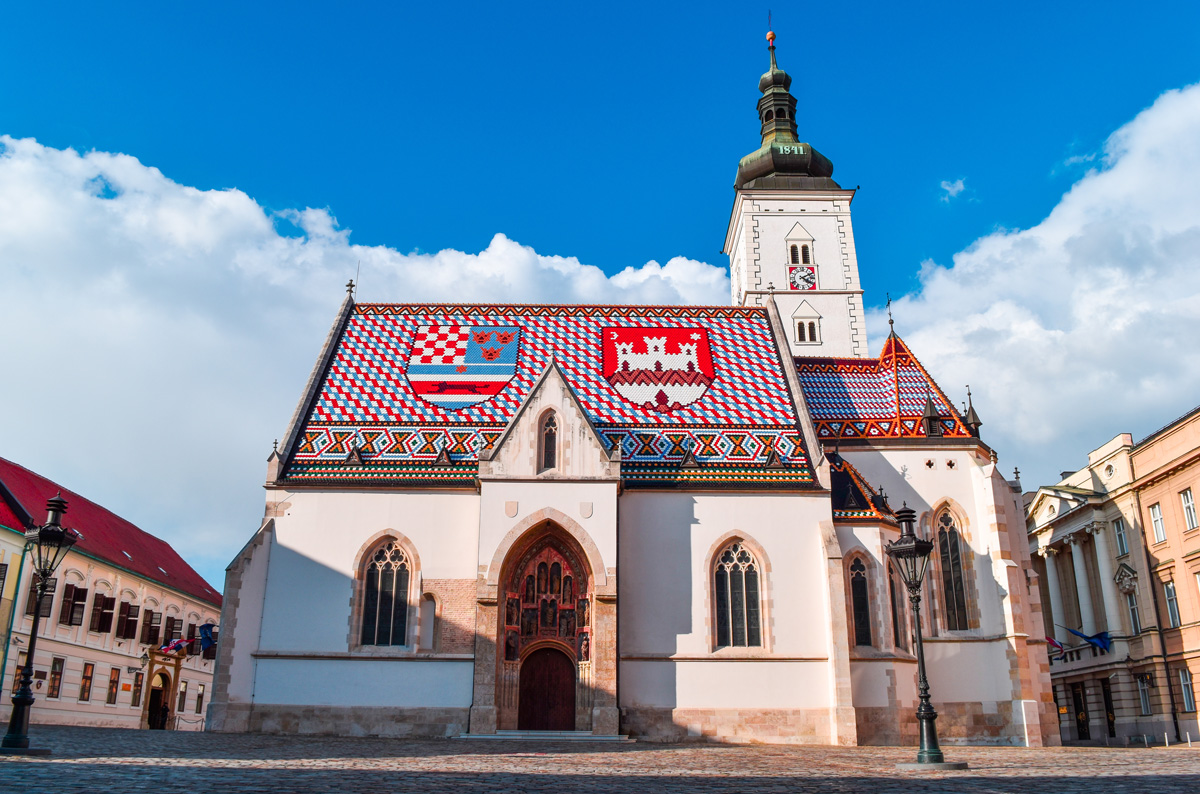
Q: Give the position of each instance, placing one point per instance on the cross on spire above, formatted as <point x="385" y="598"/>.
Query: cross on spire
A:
<point x="350" y="287"/>
<point x="891" y="322"/>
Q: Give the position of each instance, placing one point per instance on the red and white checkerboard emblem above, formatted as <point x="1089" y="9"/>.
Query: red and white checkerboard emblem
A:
<point x="455" y="366"/>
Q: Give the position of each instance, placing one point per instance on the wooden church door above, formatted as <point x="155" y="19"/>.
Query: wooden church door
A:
<point x="547" y="697"/>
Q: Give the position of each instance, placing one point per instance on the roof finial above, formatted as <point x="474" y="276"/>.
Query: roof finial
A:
<point x="350" y="287"/>
<point x="275" y="445"/>
<point x="972" y="418"/>
<point x="771" y="40"/>
<point x="891" y="322"/>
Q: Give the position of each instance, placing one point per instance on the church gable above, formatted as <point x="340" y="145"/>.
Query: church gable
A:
<point x="864" y="398"/>
<point x="414" y="393"/>
<point x="550" y="437"/>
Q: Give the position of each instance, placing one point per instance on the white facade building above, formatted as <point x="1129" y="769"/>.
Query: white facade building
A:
<point x="668" y="522"/>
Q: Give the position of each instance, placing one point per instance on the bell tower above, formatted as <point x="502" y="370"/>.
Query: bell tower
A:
<point x="790" y="232"/>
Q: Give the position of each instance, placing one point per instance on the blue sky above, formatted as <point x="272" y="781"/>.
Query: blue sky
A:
<point x="430" y="126"/>
<point x="189" y="187"/>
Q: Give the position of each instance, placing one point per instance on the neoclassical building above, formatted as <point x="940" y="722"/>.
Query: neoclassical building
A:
<point x="665" y="522"/>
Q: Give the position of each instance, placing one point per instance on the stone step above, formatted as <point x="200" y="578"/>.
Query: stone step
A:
<point x="547" y="736"/>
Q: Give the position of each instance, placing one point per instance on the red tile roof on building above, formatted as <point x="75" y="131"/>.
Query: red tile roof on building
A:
<point x="690" y="395"/>
<point x="865" y="398"/>
<point x="106" y="535"/>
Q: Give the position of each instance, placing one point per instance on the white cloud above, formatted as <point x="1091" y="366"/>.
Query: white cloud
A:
<point x="1085" y="325"/>
<point x="156" y="337"/>
<point x="952" y="189"/>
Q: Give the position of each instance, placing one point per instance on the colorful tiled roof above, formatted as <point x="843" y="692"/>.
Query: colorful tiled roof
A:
<point x="413" y="392"/>
<point x="864" y="398"/>
<point x="106" y="535"/>
<point x="854" y="500"/>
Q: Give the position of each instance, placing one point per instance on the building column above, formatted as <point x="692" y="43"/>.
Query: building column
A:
<point x="1087" y="615"/>
<point x="1058" y="616"/>
<point x="1108" y="588"/>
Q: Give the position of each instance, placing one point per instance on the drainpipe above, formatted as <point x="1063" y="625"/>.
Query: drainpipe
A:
<point x="12" y="615"/>
<point x="1137" y="497"/>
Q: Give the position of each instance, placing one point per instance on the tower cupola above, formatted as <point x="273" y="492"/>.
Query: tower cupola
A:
<point x="783" y="160"/>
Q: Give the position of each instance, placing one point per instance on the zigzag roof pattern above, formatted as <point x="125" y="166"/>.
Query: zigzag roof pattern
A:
<point x="867" y="398"/>
<point x="690" y="395"/>
<point x="854" y="500"/>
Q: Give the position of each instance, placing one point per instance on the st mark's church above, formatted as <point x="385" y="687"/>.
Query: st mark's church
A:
<point x="666" y="522"/>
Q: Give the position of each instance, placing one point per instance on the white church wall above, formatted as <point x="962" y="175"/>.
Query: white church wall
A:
<point x="320" y="535"/>
<point x="724" y="684"/>
<point x="371" y="683"/>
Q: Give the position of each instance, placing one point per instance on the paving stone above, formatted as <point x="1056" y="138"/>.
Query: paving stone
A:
<point x="104" y="759"/>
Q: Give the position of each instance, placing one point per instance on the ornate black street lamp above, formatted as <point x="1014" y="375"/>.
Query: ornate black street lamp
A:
<point x="912" y="558"/>
<point x="47" y="545"/>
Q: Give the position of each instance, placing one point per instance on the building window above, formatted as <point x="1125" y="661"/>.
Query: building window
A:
<point x="805" y="259"/>
<point x="137" y="689"/>
<point x="74" y="604"/>
<point x="1122" y="542"/>
<point x="1143" y="684"/>
<point x="193" y="646"/>
<point x="954" y="594"/>
<point x="182" y="697"/>
<point x="127" y="621"/>
<point x="1172" y="605"/>
<point x="898" y="632"/>
<point x="172" y="630"/>
<point x="3" y="577"/>
<point x="47" y="602"/>
<point x="114" y="686"/>
<point x="85" y="683"/>
<point x="385" y="596"/>
<point x="56" y="671"/>
<point x="861" y="603"/>
<point x="1189" y="509"/>
<point x="548" y="443"/>
<point x="151" y="626"/>
<point x="795" y="255"/>
<point x="102" y="613"/>
<point x="427" y="620"/>
<point x="770" y="115"/>
<point x="1185" y="684"/>
<point x="1134" y="621"/>
<point x="21" y="658"/>
<point x="807" y="331"/>
<point x="1160" y="532"/>
<point x="200" y="699"/>
<point x="736" y="596"/>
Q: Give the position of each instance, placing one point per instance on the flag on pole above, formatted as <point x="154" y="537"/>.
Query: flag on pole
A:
<point x="174" y="645"/>
<point x="1055" y="644"/>
<point x="206" y="637"/>
<point x="1103" y="640"/>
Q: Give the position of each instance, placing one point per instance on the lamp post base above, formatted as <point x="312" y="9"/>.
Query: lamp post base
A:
<point x="938" y="766"/>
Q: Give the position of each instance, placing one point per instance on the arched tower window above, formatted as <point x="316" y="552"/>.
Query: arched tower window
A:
<point x="736" y="595"/>
<point x="770" y="115"/>
<point x="385" y="596"/>
<point x="812" y="330"/>
<point x="804" y="255"/>
<point x="800" y="332"/>
<point x="548" y="439"/>
<point x="795" y="255"/>
<point x="861" y="603"/>
<point x="954" y="594"/>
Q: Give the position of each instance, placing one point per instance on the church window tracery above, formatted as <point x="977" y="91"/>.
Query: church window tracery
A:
<point x="737" y="605"/>
<point x="385" y="596"/>
<point x="861" y="603"/>
<point x="954" y="597"/>
<point x="899" y="635"/>
<point x="548" y="443"/>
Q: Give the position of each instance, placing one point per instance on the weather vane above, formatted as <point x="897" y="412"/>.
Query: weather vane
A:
<point x="891" y="322"/>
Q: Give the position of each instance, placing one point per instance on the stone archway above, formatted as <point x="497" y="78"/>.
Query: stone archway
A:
<point x="545" y="602"/>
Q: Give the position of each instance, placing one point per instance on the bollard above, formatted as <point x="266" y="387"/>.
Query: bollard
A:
<point x="1189" y="735"/>
<point x="1166" y="743"/>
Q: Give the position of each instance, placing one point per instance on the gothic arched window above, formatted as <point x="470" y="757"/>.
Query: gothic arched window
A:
<point x="385" y="596"/>
<point x="736" y="596"/>
<point x="795" y="255"/>
<point x="548" y="441"/>
<point x="812" y="330"/>
<point x="800" y="332"/>
<point x="899" y="635"/>
<point x="861" y="603"/>
<point x="954" y="595"/>
<point x="804" y="257"/>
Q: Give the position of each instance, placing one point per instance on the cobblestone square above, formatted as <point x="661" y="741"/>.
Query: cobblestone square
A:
<point x="112" y="760"/>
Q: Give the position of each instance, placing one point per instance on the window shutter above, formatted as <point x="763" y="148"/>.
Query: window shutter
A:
<point x="97" y="611"/>
<point x="193" y="646"/>
<point x="68" y="603"/>
<point x="131" y="623"/>
<point x="48" y="603"/>
<point x="122" y="618"/>
<point x="31" y="599"/>
<point x="79" y="606"/>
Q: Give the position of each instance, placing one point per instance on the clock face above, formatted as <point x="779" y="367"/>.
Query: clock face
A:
<point x="802" y="277"/>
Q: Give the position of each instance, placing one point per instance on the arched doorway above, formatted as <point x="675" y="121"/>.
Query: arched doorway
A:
<point x="545" y="628"/>
<point x="547" y="699"/>
<point x="158" y="712"/>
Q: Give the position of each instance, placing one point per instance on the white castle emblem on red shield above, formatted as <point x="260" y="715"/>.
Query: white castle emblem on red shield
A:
<point x="658" y="369"/>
